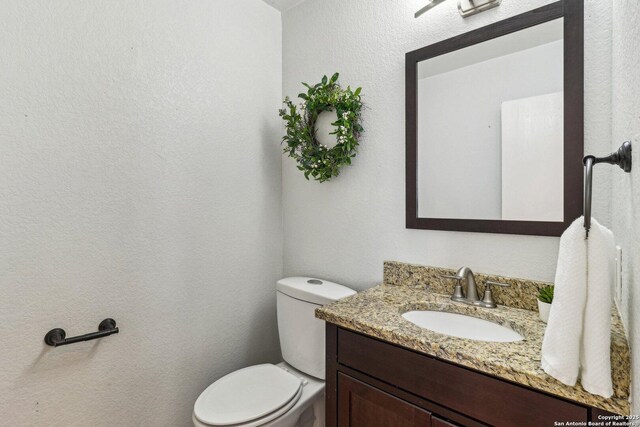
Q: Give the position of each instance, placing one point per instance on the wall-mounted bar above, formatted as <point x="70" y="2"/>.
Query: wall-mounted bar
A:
<point x="622" y="158"/>
<point x="57" y="337"/>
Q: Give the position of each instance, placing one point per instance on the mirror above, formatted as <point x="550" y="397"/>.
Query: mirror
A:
<point x="504" y="97"/>
<point x="493" y="144"/>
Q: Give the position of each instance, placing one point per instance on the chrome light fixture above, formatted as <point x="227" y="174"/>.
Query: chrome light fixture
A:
<point x="430" y="5"/>
<point x="465" y="7"/>
<point x="471" y="7"/>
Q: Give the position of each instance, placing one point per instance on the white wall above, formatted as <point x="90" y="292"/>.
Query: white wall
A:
<point x="625" y="195"/>
<point x="139" y="179"/>
<point x="345" y="228"/>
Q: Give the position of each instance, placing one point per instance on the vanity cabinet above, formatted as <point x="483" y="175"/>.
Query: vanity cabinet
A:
<point x="374" y="383"/>
<point x="360" y="404"/>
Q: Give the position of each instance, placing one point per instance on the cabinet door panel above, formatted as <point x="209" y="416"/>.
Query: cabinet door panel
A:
<point x="360" y="405"/>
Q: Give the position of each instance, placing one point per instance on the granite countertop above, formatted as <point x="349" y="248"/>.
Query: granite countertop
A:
<point x="377" y="312"/>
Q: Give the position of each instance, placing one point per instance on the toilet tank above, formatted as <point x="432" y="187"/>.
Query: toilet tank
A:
<point x="302" y="335"/>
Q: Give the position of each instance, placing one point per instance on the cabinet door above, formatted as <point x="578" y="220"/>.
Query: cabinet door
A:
<point x="360" y="405"/>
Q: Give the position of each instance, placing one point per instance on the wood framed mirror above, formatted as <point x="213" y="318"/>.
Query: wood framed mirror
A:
<point x="494" y="126"/>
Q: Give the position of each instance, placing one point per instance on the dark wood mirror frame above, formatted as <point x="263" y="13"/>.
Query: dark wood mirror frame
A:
<point x="573" y="14"/>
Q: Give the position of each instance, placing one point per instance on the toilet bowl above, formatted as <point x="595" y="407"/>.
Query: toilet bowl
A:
<point x="290" y="393"/>
<point x="304" y="408"/>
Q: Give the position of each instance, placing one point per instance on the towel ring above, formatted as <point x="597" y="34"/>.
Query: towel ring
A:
<point x="621" y="157"/>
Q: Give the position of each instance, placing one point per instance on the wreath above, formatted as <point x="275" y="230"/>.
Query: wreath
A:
<point x="314" y="159"/>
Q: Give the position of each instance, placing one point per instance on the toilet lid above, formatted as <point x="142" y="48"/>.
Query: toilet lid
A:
<point x="246" y="395"/>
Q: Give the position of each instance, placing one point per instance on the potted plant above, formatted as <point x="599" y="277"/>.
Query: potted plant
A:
<point x="545" y="298"/>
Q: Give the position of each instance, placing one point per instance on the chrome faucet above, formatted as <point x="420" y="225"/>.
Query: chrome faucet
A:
<point x="469" y="293"/>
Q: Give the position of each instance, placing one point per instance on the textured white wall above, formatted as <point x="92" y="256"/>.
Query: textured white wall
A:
<point x="139" y="179"/>
<point x="345" y="228"/>
<point x="625" y="199"/>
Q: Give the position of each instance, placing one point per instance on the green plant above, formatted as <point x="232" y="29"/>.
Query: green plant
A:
<point x="313" y="158"/>
<point x="546" y="294"/>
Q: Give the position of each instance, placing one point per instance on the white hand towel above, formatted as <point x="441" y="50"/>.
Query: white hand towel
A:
<point x="595" y="359"/>
<point x="562" y="338"/>
<point x="577" y="341"/>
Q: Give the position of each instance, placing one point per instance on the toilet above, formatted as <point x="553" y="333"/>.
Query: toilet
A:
<point x="290" y="393"/>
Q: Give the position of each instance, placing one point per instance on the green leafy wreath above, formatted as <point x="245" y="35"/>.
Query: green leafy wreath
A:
<point x="313" y="158"/>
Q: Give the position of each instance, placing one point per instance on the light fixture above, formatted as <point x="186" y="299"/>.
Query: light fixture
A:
<point x="465" y="7"/>
<point x="431" y="4"/>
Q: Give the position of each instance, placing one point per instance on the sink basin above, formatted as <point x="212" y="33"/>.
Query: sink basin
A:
<point x="461" y="326"/>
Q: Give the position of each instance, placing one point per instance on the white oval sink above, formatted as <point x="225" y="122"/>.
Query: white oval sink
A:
<point x="461" y="326"/>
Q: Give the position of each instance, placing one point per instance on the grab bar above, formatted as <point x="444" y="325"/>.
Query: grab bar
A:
<point x="57" y="337"/>
<point x="621" y="157"/>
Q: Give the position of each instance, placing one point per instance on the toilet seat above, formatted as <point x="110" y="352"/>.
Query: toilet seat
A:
<point x="251" y="397"/>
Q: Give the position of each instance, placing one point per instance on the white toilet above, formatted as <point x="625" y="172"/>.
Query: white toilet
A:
<point x="290" y="393"/>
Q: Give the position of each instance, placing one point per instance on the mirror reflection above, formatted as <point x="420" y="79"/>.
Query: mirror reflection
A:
<point x="490" y="129"/>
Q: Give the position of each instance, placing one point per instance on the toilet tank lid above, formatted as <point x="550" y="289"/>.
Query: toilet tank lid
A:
<point x="312" y="290"/>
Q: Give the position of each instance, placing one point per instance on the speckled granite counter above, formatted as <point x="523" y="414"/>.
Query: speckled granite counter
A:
<point x="377" y="312"/>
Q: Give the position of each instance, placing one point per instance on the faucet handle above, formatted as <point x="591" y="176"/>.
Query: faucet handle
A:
<point x="488" y="301"/>
<point x="458" y="295"/>
<point x="491" y="282"/>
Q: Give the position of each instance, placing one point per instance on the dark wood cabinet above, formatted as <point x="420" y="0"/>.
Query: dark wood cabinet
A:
<point x="361" y="405"/>
<point x="374" y="383"/>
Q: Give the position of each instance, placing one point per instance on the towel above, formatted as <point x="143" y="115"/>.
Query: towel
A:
<point x="562" y="338"/>
<point x="577" y="341"/>
<point x="595" y="354"/>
